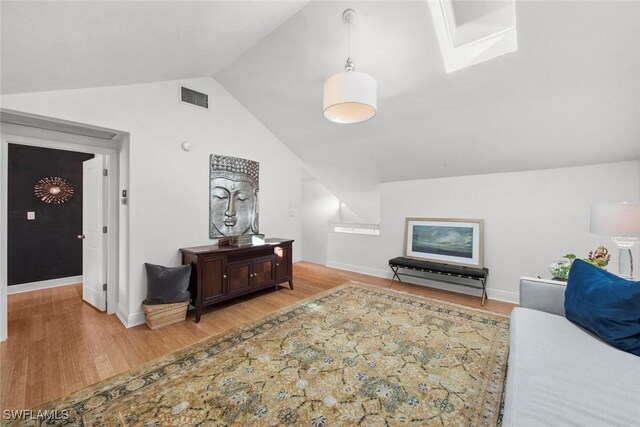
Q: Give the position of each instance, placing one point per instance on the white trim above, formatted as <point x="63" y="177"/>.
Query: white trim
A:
<point x="122" y="316"/>
<point x="118" y="239"/>
<point x="506" y="296"/>
<point x="130" y="320"/>
<point x="359" y="269"/>
<point x="355" y="228"/>
<point x="461" y="55"/>
<point x="494" y="294"/>
<point x="43" y="284"/>
<point x="4" y="190"/>
<point x="111" y="154"/>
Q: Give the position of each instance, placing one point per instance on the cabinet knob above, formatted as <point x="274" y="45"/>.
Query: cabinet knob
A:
<point x="224" y="276"/>
<point x="277" y="265"/>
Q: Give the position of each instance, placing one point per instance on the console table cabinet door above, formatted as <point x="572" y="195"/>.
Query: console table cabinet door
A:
<point x="213" y="278"/>
<point x="264" y="270"/>
<point x="283" y="262"/>
<point x="239" y="276"/>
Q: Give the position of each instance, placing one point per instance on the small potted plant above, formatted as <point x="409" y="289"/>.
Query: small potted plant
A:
<point x="560" y="269"/>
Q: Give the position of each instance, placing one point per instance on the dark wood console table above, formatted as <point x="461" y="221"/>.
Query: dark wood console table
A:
<point x="470" y="277"/>
<point x="220" y="273"/>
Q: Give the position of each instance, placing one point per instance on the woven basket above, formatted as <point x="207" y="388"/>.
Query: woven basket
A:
<point x="161" y="315"/>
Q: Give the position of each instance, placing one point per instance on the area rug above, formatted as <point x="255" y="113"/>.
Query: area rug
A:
<point x="356" y="354"/>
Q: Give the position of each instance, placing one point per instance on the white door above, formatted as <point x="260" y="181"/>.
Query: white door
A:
<point x="93" y="236"/>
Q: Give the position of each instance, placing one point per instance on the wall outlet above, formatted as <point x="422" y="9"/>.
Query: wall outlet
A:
<point x="31" y="216"/>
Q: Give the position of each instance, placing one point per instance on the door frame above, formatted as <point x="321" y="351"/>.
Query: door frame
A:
<point x="12" y="134"/>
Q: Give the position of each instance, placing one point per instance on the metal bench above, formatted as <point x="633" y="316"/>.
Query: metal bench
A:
<point x="459" y="275"/>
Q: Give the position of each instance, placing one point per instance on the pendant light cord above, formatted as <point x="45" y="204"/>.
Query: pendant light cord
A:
<point x="349" y="65"/>
<point x="349" y="56"/>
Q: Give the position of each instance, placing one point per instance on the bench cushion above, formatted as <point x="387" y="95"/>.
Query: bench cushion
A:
<point x="561" y="375"/>
<point x="435" y="266"/>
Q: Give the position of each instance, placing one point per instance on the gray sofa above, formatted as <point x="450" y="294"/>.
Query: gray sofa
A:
<point x="560" y="374"/>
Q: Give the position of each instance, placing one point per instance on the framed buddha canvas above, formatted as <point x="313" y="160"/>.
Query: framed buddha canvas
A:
<point x="233" y="196"/>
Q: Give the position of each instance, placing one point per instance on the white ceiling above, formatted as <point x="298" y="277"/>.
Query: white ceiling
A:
<point x="569" y="96"/>
<point x="50" y="45"/>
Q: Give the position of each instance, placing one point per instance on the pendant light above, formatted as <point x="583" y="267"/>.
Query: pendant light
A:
<point x="350" y="96"/>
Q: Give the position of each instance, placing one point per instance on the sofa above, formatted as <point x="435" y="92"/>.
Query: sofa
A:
<point x="561" y="375"/>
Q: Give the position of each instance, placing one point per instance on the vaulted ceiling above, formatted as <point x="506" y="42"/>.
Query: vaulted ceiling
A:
<point x="50" y="45"/>
<point x="570" y="94"/>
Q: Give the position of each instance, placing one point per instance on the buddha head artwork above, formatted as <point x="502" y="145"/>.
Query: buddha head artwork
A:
<point x="233" y="199"/>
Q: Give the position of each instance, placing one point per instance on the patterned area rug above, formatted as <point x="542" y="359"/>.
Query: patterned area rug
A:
<point x="356" y="354"/>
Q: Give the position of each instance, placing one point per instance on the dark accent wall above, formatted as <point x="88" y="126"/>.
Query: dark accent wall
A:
<point x="47" y="247"/>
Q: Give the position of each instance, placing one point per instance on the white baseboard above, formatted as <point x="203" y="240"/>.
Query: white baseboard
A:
<point x="136" y="319"/>
<point x="131" y="320"/>
<point x="44" y="284"/>
<point x="122" y="317"/>
<point x="506" y="296"/>
<point x="359" y="269"/>
<point x="297" y="259"/>
<point x="495" y="294"/>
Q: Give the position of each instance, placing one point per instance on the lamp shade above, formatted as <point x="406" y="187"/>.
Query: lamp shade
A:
<point x="615" y="219"/>
<point x="350" y="97"/>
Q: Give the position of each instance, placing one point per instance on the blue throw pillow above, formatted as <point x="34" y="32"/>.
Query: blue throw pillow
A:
<point x="605" y="304"/>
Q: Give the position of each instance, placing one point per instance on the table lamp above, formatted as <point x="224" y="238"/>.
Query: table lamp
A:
<point x="622" y="222"/>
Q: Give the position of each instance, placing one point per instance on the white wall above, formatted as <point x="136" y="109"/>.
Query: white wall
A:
<point x="169" y="187"/>
<point x="531" y="218"/>
<point x="319" y="207"/>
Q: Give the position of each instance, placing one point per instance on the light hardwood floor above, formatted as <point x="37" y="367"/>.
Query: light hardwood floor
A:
<point x="58" y="344"/>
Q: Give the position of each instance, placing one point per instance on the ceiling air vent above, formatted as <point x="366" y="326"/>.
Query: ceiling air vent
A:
<point x="196" y="98"/>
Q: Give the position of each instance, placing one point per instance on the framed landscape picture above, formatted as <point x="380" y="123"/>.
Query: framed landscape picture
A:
<point x="444" y="240"/>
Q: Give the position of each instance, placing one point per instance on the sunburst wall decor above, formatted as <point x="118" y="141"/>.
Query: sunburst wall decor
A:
<point x="53" y="190"/>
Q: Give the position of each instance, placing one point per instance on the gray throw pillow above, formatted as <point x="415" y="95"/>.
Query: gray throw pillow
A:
<point x="167" y="284"/>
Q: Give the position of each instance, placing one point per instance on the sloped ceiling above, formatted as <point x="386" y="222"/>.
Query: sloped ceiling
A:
<point x="569" y="96"/>
<point x="51" y="45"/>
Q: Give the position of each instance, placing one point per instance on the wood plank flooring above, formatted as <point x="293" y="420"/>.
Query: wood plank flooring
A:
<point x="59" y="344"/>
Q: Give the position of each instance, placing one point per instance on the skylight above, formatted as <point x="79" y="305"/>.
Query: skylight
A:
<point x="473" y="31"/>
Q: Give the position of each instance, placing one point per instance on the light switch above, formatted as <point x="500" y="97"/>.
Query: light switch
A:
<point x="31" y="216"/>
